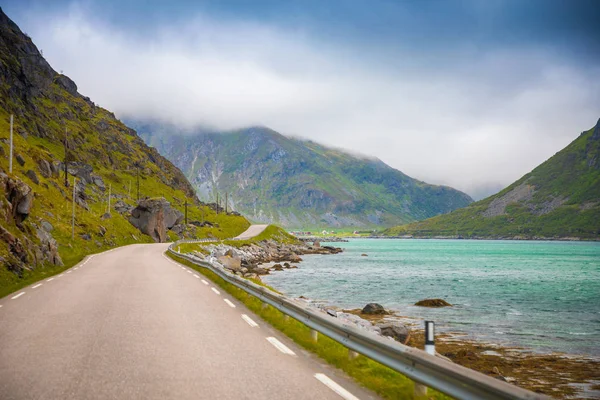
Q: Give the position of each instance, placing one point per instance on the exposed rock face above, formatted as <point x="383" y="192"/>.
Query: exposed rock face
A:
<point x="45" y="169"/>
<point x="596" y="134"/>
<point x="497" y="207"/>
<point x="19" y="195"/>
<point x="374" y="309"/>
<point x="433" y="303"/>
<point x="122" y="207"/>
<point x="395" y="330"/>
<point x="32" y="175"/>
<point x="49" y="247"/>
<point x="154" y="217"/>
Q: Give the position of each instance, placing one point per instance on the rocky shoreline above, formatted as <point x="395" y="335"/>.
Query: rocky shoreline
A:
<point x="253" y="260"/>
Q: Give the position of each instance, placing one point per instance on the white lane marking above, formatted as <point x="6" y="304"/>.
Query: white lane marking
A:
<point x="196" y="276"/>
<point x="17" y="296"/>
<point x="215" y="290"/>
<point x="49" y="280"/>
<point x="182" y="268"/>
<point x="38" y="285"/>
<point x="229" y="303"/>
<point x="189" y="272"/>
<point x="68" y="272"/>
<point x="203" y="281"/>
<point x="75" y="269"/>
<point x="335" y="387"/>
<point x="249" y="321"/>
<point x="280" y="346"/>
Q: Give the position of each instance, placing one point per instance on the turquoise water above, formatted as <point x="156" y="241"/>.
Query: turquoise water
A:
<point x="544" y="296"/>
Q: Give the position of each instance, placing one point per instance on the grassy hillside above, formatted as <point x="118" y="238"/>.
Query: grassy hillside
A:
<point x="297" y="183"/>
<point x="558" y="199"/>
<point x="49" y="113"/>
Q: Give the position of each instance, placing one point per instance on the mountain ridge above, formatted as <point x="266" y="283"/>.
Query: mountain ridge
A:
<point x="296" y="182"/>
<point x="560" y="198"/>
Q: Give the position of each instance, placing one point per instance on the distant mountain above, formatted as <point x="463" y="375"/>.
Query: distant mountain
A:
<point x="558" y="199"/>
<point x="298" y="184"/>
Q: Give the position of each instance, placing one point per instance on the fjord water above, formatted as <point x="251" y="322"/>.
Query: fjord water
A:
<point x="544" y="296"/>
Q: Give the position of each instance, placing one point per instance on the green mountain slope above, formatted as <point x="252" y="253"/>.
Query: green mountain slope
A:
<point x="558" y="199"/>
<point x="296" y="183"/>
<point x="51" y="118"/>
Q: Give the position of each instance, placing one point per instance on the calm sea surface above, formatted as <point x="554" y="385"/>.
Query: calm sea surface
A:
<point x="544" y="296"/>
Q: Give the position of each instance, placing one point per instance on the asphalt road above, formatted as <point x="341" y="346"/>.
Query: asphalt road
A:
<point x="252" y="231"/>
<point x="132" y="324"/>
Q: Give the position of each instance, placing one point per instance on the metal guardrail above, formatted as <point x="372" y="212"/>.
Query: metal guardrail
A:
<point x="447" y="377"/>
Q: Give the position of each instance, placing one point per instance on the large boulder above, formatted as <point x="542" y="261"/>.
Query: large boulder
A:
<point x="19" y="195"/>
<point x="395" y="330"/>
<point x="232" y="263"/>
<point x="374" y="309"/>
<point x="154" y="217"/>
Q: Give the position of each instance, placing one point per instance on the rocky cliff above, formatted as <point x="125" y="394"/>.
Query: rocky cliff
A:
<point x="297" y="183"/>
<point x="61" y="137"/>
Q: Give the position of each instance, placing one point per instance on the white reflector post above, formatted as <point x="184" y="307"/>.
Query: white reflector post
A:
<point x="430" y="337"/>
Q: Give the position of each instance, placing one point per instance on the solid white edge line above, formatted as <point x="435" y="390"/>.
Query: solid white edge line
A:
<point x="327" y="381"/>
<point x="203" y="281"/>
<point x="280" y="346"/>
<point x="17" y="296"/>
<point x="215" y="290"/>
<point x="36" y="286"/>
<point x="229" y="303"/>
<point x="249" y="321"/>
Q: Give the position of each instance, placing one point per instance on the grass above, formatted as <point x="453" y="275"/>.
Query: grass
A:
<point x="384" y="381"/>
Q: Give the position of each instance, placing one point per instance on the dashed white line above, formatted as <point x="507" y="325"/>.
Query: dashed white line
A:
<point x="249" y="321"/>
<point x="280" y="346"/>
<point x="229" y="303"/>
<point x="189" y="272"/>
<point x="68" y="272"/>
<point x="75" y="269"/>
<point x="196" y="276"/>
<point x="60" y="275"/>
<point x="215" y="290"/>
<point x="182" y="268"/>
<point x="17" y="296"/>
<point x="49" y="280"/>
<point x="203" y="281"/>
<point x="36" y="286"/>
<point x="335" y="387"/>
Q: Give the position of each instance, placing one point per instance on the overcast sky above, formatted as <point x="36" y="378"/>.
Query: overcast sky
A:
<point x="471" y="94"/>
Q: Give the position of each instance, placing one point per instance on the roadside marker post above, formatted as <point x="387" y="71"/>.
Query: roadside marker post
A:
<point x="421" y="390"/>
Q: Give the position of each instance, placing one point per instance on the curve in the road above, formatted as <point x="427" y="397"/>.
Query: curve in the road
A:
<point x="131" y="323"/>
<point x="252" y="231"/>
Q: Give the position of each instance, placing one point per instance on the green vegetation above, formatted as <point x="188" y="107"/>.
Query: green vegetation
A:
<point x="50" y="115"/>
<point x="272" y="232"/>
<point x="558" y="199"/>
<point x="386" y="382"/>
<point x="299" y="184"/>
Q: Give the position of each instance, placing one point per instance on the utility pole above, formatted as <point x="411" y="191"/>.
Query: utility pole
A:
<point x="138" y="182"/>
<point x="109" y="190"/>
<point x="73" y="218"/>
<point x="66" y="159"/>
<point x="186" y="212"/>
<point x="11" y="145"/>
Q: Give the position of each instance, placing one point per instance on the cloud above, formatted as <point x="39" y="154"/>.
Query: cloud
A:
<point x="470" y="118"/>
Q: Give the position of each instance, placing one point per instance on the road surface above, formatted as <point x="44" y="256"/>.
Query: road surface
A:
<point x="131" y="324"/>
<point x="252" y="231"/>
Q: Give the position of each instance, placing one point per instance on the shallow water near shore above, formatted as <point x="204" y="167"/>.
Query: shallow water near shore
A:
<point x="544" y="296"/>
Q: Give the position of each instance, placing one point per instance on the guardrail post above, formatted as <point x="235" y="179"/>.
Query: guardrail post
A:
<point x="314" y="335"/>
<point x="421" y="390"/>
